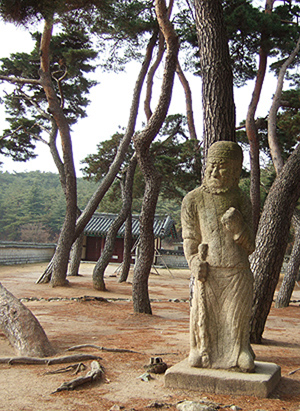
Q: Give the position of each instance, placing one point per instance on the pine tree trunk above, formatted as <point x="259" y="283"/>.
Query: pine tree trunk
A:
<point x="292" y="270"/>
<point x="21" y="327"/>
<point x="271" y="241"/>
<point x="216" y="74"/>
<point x="114" y="168"/>
<point x="278" y="162"/>
<point x="142" y="142"/>
<point x="122" y="149"/>
<point x="251" y="129"/>
<point x="102" y="263"/>
<point x="61" y="259"/>
<point x="127" y="249"/>
<point x="188" y="102"/>
<point x="63" y="248"/>
<point x="140" y="294"/>
<point x="75" y="258"/>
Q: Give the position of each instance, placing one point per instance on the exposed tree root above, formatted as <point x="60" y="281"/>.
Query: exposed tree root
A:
<point x="294" y="371"/>
<point x="93" y="375"/>
<point x="65" y="359"/>
<point x="49" y="361"/>
<point x="76" y="367"/>
<point x="97" y="347"/>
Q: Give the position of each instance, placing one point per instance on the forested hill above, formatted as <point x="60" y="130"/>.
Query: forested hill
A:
<point x="32" y="205"/>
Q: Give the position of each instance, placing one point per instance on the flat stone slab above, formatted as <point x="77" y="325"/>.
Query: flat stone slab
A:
<point x="257" y="384"/>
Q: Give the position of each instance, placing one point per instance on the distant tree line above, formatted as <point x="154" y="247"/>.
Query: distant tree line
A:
<point x="32" y="205"/>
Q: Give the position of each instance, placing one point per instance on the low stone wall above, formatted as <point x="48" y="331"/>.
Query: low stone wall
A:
<point x="23" y="253"/>
<point x="171" y="258"/>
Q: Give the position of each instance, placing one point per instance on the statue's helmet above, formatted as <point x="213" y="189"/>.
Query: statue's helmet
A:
<point x="225" y="150"/>
<point x="230" y="154"/>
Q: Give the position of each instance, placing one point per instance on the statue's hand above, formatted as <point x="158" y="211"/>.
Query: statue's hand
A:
<point x="199" y="269"/>
<point x="233" y="221"/>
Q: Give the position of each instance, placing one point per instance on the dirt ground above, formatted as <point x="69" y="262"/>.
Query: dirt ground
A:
<point x="69" y="319"/>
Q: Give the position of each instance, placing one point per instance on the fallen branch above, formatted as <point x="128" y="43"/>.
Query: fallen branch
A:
<point x="93" y="375"/>
<point x="49" y="361"/>
<point x="97" y="347"/>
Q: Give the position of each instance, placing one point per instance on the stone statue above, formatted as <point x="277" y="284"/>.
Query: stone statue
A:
<point x="217" y="240"/>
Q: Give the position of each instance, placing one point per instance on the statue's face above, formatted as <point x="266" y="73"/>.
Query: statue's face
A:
<point x="220" y="174"/>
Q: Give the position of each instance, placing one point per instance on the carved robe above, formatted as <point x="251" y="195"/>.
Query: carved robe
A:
<point x="221" y="305"/>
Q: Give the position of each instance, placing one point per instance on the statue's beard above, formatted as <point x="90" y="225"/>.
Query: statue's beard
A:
<point x="220" y="190"/>
<point x="216" y="190"/>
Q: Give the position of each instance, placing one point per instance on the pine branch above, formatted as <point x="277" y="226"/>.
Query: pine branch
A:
<point x="35" y="105"/>
<point x="20" y="80"/>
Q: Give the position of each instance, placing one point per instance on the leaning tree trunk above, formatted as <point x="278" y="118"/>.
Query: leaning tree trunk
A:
<point x="60" y="262"/>
<point x="75" y="257"/>
<point x="190" y="119"/>
<point x="127" y="249"/>
<point x="119" y="158"/>
<point x="151" y="74"/>
<point x="271" y="241"/>
<point x="292" y="270"/>
<point x="188" y="102"/>
<point x="216" y="74"/>
<point x="102" y="263"/>
<point x="251" y="129"/>
<point x="76" y="253"/>
<point x="123" y="147"/>
<point x="252" y="136"/>
<point x="21" y="327"/>
<point x="142" y="142"/>
<point x="275" y="149"/>
<point x="140" y="294"/>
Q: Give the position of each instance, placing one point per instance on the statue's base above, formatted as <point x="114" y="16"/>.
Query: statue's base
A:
<point x="260" y="383"/>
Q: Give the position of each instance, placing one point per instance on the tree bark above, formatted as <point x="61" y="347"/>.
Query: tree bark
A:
<point x="142" y="142"/>
<point x="127" y="249"/>
<point x="122" y="149"/>
<point x="115" y="166"/>
<point x="75" y="257"/>
<point x="252" y="136"/>
<point x="251" y="129"/>
<point x="272" y="121"/>
<point x="102" y="263"/>
<point x="21" y="327"/>
<point x="288" y="284"/>
<point x="140" y="294"/>
<point x="292" y="270"/>
<point x="271" y="241"/>
<point x="188" y="102"/>
<point x="151" y="73"/>
<point x="216" y="73"/>
<point x="60" y="262"/>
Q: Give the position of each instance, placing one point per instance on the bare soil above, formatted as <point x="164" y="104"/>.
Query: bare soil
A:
<point x="69" y="319"/>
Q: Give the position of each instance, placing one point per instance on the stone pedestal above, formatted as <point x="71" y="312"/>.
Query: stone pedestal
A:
<point x="257" y="384"/>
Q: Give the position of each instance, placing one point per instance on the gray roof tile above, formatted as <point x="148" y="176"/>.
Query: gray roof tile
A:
<point x="99" y="225"/>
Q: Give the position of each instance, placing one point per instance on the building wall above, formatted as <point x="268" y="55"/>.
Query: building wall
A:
<point x="171" y="258"/>
<point x="23" y="253"/>
<point x="93" y="247"/>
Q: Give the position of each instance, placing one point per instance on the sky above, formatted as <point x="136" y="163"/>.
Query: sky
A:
<point x="110" y="105"/>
